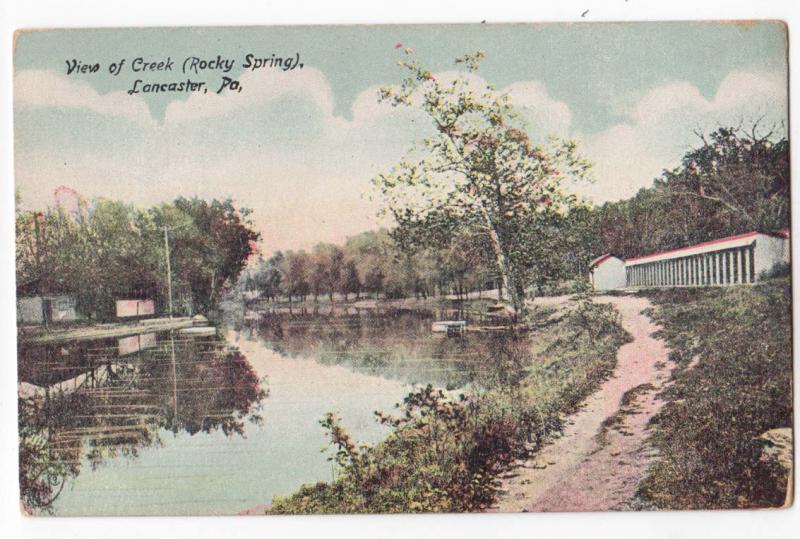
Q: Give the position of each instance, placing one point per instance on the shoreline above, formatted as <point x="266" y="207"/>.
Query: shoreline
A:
<point x="40" y="335"/>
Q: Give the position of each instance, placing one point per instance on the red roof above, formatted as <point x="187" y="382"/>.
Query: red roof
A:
<point x="600" y="259"/>
<point x="781" y="234"/>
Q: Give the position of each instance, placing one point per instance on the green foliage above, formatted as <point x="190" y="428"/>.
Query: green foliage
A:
<point x="445" y="452"/>
<point x="479" y="170"/>
<point x="109" y="250"/>
<point x="734" y="182"/>
<point x="740" y="387"/>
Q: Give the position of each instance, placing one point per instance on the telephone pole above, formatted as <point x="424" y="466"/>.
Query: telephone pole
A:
<point x="169" y="271"/>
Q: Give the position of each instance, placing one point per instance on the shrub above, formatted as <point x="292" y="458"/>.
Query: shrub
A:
<point x="445" y="453"/>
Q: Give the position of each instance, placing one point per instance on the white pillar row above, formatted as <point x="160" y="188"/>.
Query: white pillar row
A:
<point x="720" y="272"/>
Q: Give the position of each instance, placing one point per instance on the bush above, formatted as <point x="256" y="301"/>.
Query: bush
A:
<point x="445" y="454"/>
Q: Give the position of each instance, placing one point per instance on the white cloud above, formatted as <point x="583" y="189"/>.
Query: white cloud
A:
<point x="629" y="156"/>
<point x="544" y="114"/>
<point x="259" y="86"/>
<point x="41" y="88"/>
<point x="312" y="188"/>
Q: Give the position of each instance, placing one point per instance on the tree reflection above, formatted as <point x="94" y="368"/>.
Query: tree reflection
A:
<point x="87" y="402"/>
<point x="398" y="345"/>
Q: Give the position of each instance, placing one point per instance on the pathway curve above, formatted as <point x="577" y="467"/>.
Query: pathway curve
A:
<point x="584" y="470"/>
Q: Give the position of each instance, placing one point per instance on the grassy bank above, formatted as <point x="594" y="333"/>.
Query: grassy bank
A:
<point x="445" y="454"/>
<point x="738" y="387"/>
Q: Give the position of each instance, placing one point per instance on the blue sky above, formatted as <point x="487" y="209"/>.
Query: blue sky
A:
<point x="300" y="147"/>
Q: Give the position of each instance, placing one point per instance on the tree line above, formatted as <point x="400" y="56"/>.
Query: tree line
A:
<point x="480" y="205"/>
<point x="735" y="181"/>
<point x="105" y="250"/>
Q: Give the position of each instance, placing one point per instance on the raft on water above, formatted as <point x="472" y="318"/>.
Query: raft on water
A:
<point x="449" y="326"/>
<point x="199" y="331"/>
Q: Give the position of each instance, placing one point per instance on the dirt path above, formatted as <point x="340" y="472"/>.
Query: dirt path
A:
<point x="601" y="457"/>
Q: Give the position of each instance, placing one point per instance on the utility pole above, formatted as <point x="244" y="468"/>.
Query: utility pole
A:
<point x="169" y="271"/>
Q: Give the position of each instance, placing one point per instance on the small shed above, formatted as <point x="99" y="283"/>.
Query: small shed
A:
<point x="607" y="272"/>
<point x="46" y="308"/>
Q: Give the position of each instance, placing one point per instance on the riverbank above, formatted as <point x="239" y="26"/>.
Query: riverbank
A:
<point x="444" y="454"/>
<point x="55" y="334"/>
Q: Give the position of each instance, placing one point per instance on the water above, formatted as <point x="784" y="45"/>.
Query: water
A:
<point x="164" y="424"/>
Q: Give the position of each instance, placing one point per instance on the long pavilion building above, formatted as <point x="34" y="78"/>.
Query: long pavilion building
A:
<point x="734" y="260"/>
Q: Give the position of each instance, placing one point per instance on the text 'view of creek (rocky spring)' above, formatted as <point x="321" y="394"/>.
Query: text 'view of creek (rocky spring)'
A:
<point x="173" y="423"/>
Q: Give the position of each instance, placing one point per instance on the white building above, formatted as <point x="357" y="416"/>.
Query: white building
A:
<point x="607" y="272"/>
<point x="734" y="260"/>
<point x="41" y="309"/>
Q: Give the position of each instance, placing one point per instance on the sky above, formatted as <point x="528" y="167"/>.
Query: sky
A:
<point x="299" y="147"/>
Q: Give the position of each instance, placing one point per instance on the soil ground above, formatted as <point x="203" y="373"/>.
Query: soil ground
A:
<point x="602" y="454"/>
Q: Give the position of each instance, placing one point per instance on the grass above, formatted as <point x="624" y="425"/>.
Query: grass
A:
<point x="738" y="387"/>
<point x="445" y="454"/>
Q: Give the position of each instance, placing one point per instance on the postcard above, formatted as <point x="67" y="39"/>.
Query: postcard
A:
<point x="403" y="269"/>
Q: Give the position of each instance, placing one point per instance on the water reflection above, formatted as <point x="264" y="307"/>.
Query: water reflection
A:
<point x="396" y="344"/>
<point x="94" y="400"/>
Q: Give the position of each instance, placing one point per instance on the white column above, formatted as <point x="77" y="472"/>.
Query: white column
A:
<point x="696" y="264"/>
<point x="727" y="266"/>
<point x="702" y="260"/>
<point x="745" y="265"/>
